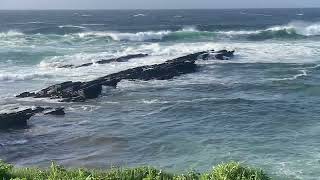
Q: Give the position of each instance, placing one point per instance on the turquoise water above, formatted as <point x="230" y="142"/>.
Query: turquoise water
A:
<point x="260" y="108"/>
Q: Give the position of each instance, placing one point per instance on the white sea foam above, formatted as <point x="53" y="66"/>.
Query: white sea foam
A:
<point x="302" y="28"/>
<point x="11" y="33"/>
<point x="232" y="33"/>
<point x="71" y="26"/>
<point x="117" y="36"/>
<point x="139" y="36"/>
<point x="22" y="77"/>
<point x="298" y="27"/>
<point x="139" y="15"/>
<point x="81" y="108"/>
<point x="294" y="28"/>
<point x="303" y="73"/>
<point x="154" y="101"/>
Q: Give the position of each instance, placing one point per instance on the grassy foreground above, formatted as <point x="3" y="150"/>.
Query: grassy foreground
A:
<point x="228" y="171"/>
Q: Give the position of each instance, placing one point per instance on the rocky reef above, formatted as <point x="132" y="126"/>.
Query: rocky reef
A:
<point x="81" y="91"/>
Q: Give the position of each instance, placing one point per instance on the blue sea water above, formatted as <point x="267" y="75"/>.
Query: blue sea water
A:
<point x="260" y="108"/>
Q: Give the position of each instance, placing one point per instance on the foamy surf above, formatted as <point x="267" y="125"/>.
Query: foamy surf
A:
<point x="291" y="30"/>
<point x="76" y="33"/>
<point x="303" y="73"/>
<point x="11" y="33"/>
<point x="267" y="93"/>
<point x="23" y="77"/>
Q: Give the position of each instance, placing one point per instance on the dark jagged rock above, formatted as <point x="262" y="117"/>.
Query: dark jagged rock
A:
<point x="19" y="119"/>
<point x="66" y="66"/>
<point x="15" y="119"/>
<point x="105" y="61"/>
<point x="26" y="94"/>
<point x="121" y="59"/>
<point x="80" y="91"/>
<point x="84" y="65"/>
<point x="217" y="55"/>
<point x="56" y="112"/>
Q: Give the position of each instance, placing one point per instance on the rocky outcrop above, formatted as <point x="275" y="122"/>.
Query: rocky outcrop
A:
<point x="15" y="120"/>
<point x="56" y="112"/>
<point x="19" y="119"/>
<point x="80" y="91"/>
<point x="217" y="55"/>
<point x="105" y="61"/>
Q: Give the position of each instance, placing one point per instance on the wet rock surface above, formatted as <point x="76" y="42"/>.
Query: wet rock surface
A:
<point x="19" y="119"/>
<point x="81" y="91"/>
<point x="106" y="61"/>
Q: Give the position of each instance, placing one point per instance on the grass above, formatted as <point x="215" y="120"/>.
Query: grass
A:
<point x="228" y="171"/>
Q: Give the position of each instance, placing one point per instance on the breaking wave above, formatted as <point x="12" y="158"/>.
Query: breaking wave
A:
<point x="165" y="35"/>
<point x="22" y="77"/>
<point x="294" y="30"/>
<point x="291" y="31"/>
<point x="10" y="34"/>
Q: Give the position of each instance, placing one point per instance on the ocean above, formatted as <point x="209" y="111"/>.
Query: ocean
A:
<point x="260" y="108"/>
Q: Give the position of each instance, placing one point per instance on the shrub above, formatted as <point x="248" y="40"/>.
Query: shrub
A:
<point x="235" y="171"/>
<point x="5" y="170"/>
<point x="229" y="171"/>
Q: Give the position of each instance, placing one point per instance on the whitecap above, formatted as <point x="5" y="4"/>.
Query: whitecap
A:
<point x="299" y="27"/>
<point x="71" y="26"/>
<point x="117" y="36"/>
<point x="23" y="77"/>
<point x="11" y="33"/>
<point x="232" y="33"/>
<point x="81" y="108"/>
<point x="139" y="15"/>
<point x="154" y="101"/>
<point x="189" y="29"/>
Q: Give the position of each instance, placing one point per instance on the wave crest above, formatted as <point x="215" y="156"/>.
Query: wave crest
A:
<point x="10" y="34"/>
<point x="140" y="36"/>
<point x="187" y="32"/>
<point x="292" y="30"/>
<point x="301" y="28"/>
<point x="22" y="77"/>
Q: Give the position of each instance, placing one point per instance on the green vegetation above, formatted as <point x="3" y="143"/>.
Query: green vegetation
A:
<point x="229" y="171"/>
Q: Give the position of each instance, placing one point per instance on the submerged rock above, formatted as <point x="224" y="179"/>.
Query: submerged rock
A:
<point x="80" y="91"/>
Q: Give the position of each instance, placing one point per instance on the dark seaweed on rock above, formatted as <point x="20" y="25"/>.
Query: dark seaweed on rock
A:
<point x="80" y="91"/>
